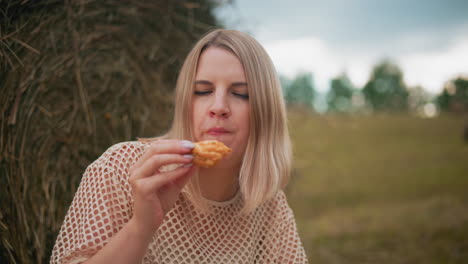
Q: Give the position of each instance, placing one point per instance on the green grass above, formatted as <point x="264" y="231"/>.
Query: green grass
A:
<point x="380" y="189"/>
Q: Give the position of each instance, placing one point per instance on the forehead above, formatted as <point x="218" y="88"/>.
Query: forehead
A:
<point x="219" y="62"/>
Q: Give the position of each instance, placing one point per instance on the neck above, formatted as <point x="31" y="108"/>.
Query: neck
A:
<point x="219" y="184"/>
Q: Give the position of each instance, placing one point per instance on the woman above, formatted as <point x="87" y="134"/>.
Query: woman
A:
<point x="133" y="206"/>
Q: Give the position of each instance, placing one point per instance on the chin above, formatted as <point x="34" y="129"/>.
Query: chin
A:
<point x="226" y="163"/>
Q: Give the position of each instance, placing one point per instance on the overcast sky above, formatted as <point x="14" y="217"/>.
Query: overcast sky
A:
<point x="428" y="39"/>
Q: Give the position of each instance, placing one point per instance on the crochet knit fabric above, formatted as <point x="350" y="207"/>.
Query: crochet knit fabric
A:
<point x="103" y="204"/>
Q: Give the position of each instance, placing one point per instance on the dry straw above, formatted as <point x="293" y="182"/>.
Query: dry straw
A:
<point x="77" y="77"/>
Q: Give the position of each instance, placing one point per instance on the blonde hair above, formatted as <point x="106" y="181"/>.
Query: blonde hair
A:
<point x="266" y="165"/>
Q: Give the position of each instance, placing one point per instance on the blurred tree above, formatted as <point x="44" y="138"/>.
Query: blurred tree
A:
<point x="300" y="90"/>
<point x="454" y="96"/>
<point x="418" y="98"/>
<point x="443" y="100"/>
<point x="285" y="82"/>
<point x="385" y="90"/>
<point x="339" y="97"/>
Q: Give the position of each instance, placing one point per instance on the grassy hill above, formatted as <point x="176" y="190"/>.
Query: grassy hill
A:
<point x="380" y="189"/>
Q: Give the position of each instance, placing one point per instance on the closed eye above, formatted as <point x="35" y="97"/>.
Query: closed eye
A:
<point x="241" y="95"/>
<point x="202" y="92"/>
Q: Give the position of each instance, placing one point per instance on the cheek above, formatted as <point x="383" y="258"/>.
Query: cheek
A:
<point x="197" y="117"/>
<point x="194" y="117"/>
<point x="246" y="122"/>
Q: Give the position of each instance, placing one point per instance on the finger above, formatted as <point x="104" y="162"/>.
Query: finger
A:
<point x="151" y="165"/>
<point x="183" y="180"/>
<point x="171" y="146"/>
<point x="155" y="182"/>
<point x="163" y="146"/>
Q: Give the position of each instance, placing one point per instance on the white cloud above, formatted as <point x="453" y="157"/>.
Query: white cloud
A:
<point x="432" y="70"/>
<point x="304" y="55"/>
<point x="312" y="55"/>
<point x="428" y="69"/>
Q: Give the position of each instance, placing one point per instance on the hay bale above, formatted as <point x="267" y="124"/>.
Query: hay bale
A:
<point x="77" y="77"/>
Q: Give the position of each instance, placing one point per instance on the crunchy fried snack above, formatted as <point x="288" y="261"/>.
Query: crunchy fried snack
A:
<point x="207" y="153"/>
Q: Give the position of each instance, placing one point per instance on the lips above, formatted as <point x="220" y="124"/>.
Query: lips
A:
<point x="216" y="131"/>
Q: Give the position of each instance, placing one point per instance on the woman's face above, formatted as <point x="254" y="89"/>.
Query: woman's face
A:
<point x="220" y="106"/>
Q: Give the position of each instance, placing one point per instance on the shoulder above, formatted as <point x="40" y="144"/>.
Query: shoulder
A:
<point x="121" y="156"/>
<point x="275" y="215"/>
<point x="279" y="208"/>
<point x="279" y="200"/>
<point x="124" y="152"/>
<point x="123" y="149"/>
<point x="112" y="168"/>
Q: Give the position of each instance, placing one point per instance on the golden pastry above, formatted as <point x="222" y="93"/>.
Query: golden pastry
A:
<point x="207" y="153"/>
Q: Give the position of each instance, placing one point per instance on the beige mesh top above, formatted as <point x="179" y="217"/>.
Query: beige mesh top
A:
<point x="103" y="204"/>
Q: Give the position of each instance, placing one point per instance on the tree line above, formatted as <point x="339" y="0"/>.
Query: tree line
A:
<point x="385" y="91"/>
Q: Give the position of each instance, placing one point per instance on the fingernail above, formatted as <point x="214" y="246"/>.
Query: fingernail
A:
<point x="187" y="165"/>
<point x="188" y="156"/>
<point x="187" y="144"/>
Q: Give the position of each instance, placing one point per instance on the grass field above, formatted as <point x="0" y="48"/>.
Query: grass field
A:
<point x="380" y="189"/>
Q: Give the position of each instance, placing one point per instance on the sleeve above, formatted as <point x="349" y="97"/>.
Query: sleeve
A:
<point x="100" y="208"/>
<point x="289" y="248"/>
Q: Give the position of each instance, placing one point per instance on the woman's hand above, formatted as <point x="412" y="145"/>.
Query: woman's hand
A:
<point x="155" y="192"/>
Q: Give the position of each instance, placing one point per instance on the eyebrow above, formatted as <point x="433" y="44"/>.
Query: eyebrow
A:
<point x="232" y="84"/>
<point x="239" y="84"/>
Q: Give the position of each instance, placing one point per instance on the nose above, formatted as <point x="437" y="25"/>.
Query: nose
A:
<point x="220" y="107"/>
